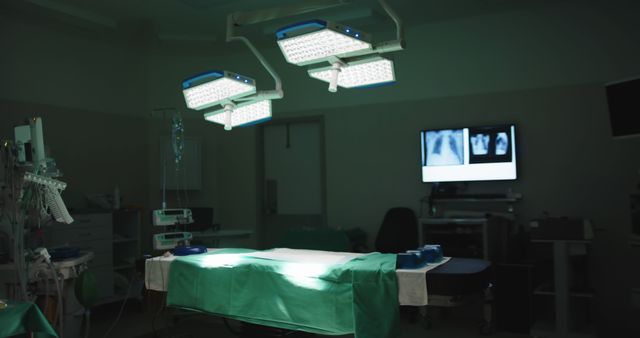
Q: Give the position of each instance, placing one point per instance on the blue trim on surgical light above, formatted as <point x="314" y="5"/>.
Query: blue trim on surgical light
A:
<point x="253" y="122"/>
<point x="212" y="73"/>
<point x="375" y="85"/>
<point x="282" y="32"/>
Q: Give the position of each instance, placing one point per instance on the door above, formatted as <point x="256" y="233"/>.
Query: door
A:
<point x="293" y="178"/>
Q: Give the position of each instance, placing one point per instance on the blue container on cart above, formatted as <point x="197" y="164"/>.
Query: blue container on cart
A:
<point x="407" y="260"/>
<point x="432" y="253"/>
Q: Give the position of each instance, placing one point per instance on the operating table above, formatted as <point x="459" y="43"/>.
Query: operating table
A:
<point x="302" y="295"/>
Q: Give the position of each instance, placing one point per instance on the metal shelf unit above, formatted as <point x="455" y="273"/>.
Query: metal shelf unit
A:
<point x="562" y="324"/>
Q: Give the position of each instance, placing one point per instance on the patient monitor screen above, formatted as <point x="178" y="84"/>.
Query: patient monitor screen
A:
<point x="468" y="154"/>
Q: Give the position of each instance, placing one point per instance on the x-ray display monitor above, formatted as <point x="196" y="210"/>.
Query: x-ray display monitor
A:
<point x="468" y="154"/>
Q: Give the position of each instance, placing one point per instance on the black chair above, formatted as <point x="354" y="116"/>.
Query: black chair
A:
<point x="452" y="284"/>
<point x="398" y="232"/>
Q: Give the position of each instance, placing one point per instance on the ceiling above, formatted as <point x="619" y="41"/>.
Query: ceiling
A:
<point x="205" y="20"/>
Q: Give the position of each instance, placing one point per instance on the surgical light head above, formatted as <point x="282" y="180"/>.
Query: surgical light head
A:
<point x="243" y="114"/>
<point x="357" y="73"/>
<point x="208" y="89"/>
<point x="314" y="41"/>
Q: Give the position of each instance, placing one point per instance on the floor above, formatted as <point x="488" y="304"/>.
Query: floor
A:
<point x="138" y="321"/>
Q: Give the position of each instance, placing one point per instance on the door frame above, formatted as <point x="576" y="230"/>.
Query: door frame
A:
<point x="260" y="167"/>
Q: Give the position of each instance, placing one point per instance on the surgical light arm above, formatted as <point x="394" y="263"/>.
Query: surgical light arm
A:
<point x="252" y="17"/>
<point x="37" y="140"/>
<point x="399" y="43"/>
<point x="253" y="107"/>
<point x="277" y="93"/>
<point x="302" y="7"/>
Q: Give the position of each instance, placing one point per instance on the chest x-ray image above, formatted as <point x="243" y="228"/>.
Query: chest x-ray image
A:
<point x="502" y="143"/>
<point x="445" y="147"/>
<point x="479" y="144"/>
<point x="490" y="144"/>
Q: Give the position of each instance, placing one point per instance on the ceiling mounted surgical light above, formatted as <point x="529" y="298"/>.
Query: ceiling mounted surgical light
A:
<point x="363" y="72"/>
<point x="240" y="103"/>
<point x="317" y="40"/>
<point x="208" y="89"/>
<point x="243" y="114"/>
<point x="353" y="60"/>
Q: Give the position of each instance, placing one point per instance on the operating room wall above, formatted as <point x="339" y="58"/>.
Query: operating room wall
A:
<point x="89" y="89"/>
<point x="48" y="62"/>
<point x="96" y="152"/>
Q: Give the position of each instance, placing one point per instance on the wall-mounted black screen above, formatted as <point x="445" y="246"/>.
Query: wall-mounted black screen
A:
<point x="623" y="98"/>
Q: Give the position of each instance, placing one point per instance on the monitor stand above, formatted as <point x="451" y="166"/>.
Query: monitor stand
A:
<point x="444" y="189"/>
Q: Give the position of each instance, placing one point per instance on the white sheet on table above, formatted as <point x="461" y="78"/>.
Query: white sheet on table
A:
<point x="156" y="275"/>
<point x="157" y="268"/>
<point x="306" y="256"/>
<point x="412" y="284"/>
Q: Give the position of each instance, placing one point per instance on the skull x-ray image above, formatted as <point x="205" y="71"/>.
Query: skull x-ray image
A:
<point x="480" y="144"/>
<point x="445" y="147"/>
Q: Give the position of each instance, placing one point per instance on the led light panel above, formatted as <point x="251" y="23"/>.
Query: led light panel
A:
<point x="314" y="41"/>
<point x="243" y="114"/>
<point x="361" y="73"/>
<point x="208" y="89"/>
